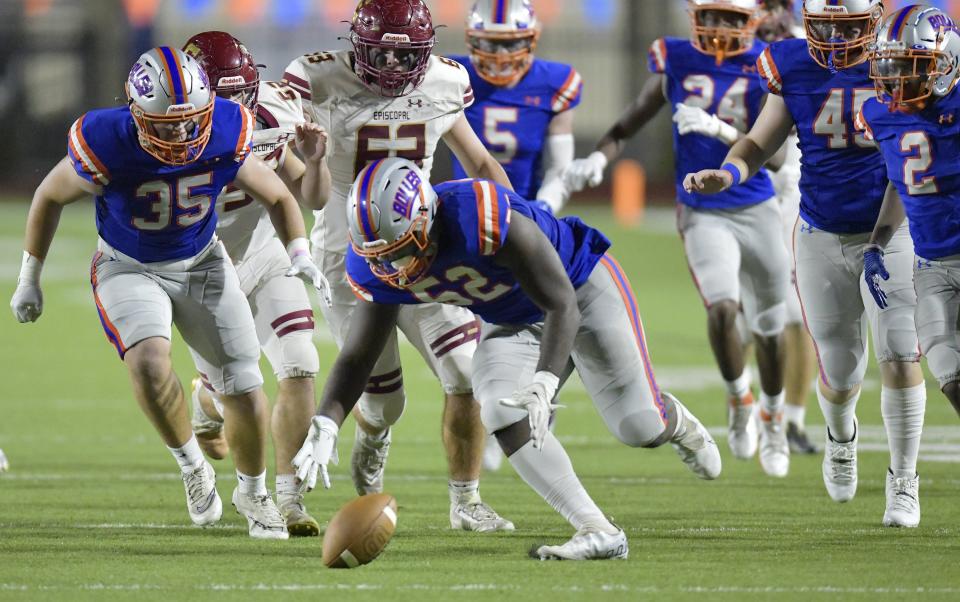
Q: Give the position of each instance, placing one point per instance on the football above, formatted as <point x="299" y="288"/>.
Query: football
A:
<point x="359" y="531"/>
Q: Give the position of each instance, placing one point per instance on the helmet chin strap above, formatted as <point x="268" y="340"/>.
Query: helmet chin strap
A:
<point x="831" y="64"/>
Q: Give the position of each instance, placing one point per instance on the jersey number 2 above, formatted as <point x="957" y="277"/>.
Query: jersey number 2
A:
<point x="161" y="196"/>
<point x="918" y="144"/>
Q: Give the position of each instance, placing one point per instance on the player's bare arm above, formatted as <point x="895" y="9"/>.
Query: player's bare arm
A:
<point x="891" y="216"/>
<point x="475" y="158"/>
<point x="530" y="256"/>
<point x="258" y="180"/>
<point x="749" y="154"/>
<point x="311" y="177"/>
<point x="60" y="187"/>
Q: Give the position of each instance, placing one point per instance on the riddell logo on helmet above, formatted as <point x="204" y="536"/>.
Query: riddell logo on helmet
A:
<point x="233" y="80"/>
<point x="835" y="9"/>
<point x="395" y="37"/>
<point x="184" y="108"/>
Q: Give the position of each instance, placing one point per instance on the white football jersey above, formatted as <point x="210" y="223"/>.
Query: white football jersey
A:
<point x="364" y="126"/>
<point x="244" y="225"/>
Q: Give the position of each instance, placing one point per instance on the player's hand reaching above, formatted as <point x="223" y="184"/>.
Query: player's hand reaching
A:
<point x="303" y="267"/>
<point x="311" y="141"/>
<point x="694" y="120"/>
<point x="873" y="272"/>
<point x="708" y="181"/>
<point x="319" y="449"/>
<point x="585" y="172"/>
<point x="537" y="400"/>
<point x="27" y="301"/>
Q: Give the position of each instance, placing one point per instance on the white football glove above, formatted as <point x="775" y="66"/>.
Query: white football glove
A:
<point x="319" y="449"/>
<point x="27" y="301"/>
<point x="303" y="267"/>
<point x="694" y="120"/>
<point x="536" y="399"/>
<point x="585" y="172"/>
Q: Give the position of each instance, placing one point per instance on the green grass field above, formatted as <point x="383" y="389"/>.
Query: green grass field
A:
<point x="93" y="507"/>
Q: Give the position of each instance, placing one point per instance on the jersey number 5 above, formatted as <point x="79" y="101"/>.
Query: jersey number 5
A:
<point x="161" y="196"/>
<point x="375" y="142"/>
<point x="502" y="143"/>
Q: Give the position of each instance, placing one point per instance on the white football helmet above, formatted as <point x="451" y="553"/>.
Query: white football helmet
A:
<point x="916" y="56"/>
<point x="172" y="103"/>
<point x="502" y="35"/>
<point x="839" y="31"/>
<point x="390" y="211"/>
<point x="723" y="28"/>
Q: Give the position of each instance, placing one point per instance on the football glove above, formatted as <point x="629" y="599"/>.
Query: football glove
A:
<point x="537" y="400"/>
<point x="319" y="449"/>
<point x="27" y="301"/>
<point x="303" y="267"/>
<point x="873" y="271"/>
<point x="694" y="120"/>
<point x="585" y="172"/>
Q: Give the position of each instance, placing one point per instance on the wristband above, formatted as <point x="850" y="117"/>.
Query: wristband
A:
<point x="738" y="172"/>
<point x="298" y="246"/>
<point x="30" y="268"/>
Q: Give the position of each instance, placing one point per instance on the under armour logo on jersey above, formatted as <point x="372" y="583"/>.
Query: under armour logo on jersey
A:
<point x="806" y="228"/>
<point x="415" y="102"/>
<point x="531" y="100"/>
<point x="749" y="68"/>
<point x="946" y="118"/>
<point x="922" y="263"/>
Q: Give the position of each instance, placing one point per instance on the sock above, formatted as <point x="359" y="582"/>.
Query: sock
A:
<point x="772" y="405"/>
<point x="549" y="472"/>
<point x="840" y="417"/>
<point x="740" y="386"/>
<point x="287" y="483"/>
<point x="464" y="492"/>
<point x="189" y="457"/>
<point x="795" y="415"/>
<point x="902" y="411"/>
<point x="253" y="485"/>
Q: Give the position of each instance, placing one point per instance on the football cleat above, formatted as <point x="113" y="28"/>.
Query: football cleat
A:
<point x="492" y="454"/>
<point x="209" y="431"/>
<point x="799" y="442"/>
<point x="840" y="467"/>
<point x="368" y="460"/>
<point x="263" y="519"/>
<point x="742" y="427"/>
<point x="477" y="517"/>
<point x="299" y="522"/>
<point x="4" y="463"/>
<point x="587" y="544"/>
<point x="903" y="501"/>
<point x="694" y="444"/>
<point x="774" y="449"/>
<point x="203" y="502"/>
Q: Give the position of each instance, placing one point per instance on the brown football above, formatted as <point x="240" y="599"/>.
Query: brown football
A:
<point x="359" y="531"/>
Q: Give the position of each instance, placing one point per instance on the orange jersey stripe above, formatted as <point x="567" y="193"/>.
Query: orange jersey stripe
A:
<point x="99" y="172"/>
<point x="246" y="134"/>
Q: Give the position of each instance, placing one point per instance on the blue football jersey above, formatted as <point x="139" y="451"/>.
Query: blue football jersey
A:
<point x="472" y="223"/>
<point x="512" y="122"/>
<point x="733" y="92"/>
<point x="842" y="180"/>
<point x="148" y="209"/>
<point x="922" y="155"/>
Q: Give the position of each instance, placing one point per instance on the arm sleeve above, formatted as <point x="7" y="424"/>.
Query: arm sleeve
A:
<point x="568" y="94"/>
<point x="767" y="68"/>
<point x="492" y="218"/>
<point x="657" y="56"/>
<point x="81" y="147"/>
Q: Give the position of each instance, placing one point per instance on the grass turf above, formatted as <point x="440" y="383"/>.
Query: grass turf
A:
<point x="93" y="505"/>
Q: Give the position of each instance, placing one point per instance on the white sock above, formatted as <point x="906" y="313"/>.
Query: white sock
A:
<point x="840" y="417"/>
<point x="740" y="386"/>
<point x="772" y="404"/>
<point x="902" y="411"/>
<point x="464" y="492"/>
<point x="253" y="485"/>
<point x="189" y="457"/>
<point x="549" y="472"/>
<point x="795" y="415"/>
<point x="287" y="483"/>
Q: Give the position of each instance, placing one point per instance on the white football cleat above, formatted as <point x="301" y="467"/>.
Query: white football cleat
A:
<point x="299" y="522"/>
<point x="774" y="448"/>
<point x="368" y="461"/>
<point x="477" y="517"/>
<point x="263" y="519"/>
<point x="840" y="467"/>
<point x="587" y="544"/>
<point x="492" y="454"/>
<point x="4" y="463"/>
<point x="903" y="501"/>
<point x="742" y="428"/>
<point x="694" y="444"/>
<point x="203" y="502"/>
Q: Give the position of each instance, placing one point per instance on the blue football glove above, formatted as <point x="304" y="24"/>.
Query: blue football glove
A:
<point x="873" y="271"/>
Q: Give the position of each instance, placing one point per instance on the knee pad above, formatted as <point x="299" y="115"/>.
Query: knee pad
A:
<point x="293" y="355"/>
<point x="382" y="404"/>
<point x="495" y="416"/>
<point x="771" y="321"/>
<point x="455" y="369"/>
<point x="238" y="377"/>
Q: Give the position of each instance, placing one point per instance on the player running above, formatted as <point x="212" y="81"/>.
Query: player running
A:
<point x="390" y="97"/>
<point x="551" y="300"/>
<point x="522" y="112"/>
<point x="280" y="305"/>
<point x="734" y="248"/>
<point x="155" y="168"/>
<point x="915" y="123"/>
<point x="819" y="85"/>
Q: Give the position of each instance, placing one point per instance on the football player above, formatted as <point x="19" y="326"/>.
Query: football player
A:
<point x="800" y="370"/>
<point x="818" y="85"/>
<point x="155" y="168"/>
<point x="735" y="253"/>
<point x="915" y="121"/>
<point x="551" y="300"/>
<point x="390" y="96"/>
<point x="522" y="112"/>
<point x="280" y="305"/>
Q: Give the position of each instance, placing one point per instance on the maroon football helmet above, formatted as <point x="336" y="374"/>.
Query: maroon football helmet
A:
<point x="229" y="65"/>
<point x="392" y="41"/>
